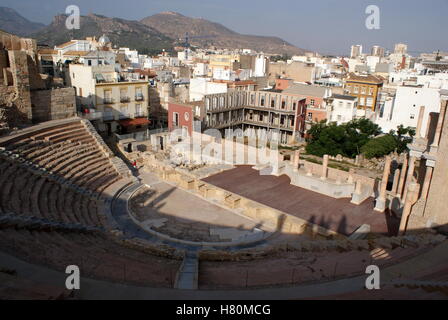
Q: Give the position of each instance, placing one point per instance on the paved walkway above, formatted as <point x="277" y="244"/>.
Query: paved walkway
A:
<point x="94" y="289"/>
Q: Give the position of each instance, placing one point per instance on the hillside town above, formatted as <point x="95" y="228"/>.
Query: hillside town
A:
<point x="342" y="163"/>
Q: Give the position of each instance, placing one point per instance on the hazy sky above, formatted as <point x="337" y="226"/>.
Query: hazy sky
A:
<point x="327" y="26"/>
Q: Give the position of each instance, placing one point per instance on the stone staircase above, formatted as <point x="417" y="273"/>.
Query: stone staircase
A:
<point x="187" y="276"/>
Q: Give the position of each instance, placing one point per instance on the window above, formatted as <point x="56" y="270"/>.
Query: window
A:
<point x="340" y="104"/>
<point x="283" y="104"/>
<point x="412" y="116"/>
<point x="294" y="106"/>
<point x="89" y="62"/>
<point x="138" y="110"/>
<point x="260" y="118"/>
<point x="138" y="94"/>
<point x="124" y="110"/>
<point x="356" y="89"/>
<point x="252" y="99"/>
<point x="273" y="103"/>
<point x="363" y="90"/>
<point x="262" y="102"/>
<point x="107" y="96"/>
<point x="312" y="102"/>
<point x="310" y="116"/>
<point x="371" y="91"/>
<point x="175" y="119"/>
<point x="339" y="117"/>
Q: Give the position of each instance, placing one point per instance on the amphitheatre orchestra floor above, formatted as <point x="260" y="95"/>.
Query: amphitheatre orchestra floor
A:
<point x="182" y="215"/>
<point x="335" y="214"/>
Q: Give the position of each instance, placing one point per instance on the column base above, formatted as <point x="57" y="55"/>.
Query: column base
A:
<point x="380" y="205"/>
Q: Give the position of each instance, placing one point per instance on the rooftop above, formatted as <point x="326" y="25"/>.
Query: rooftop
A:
<point x="305" y="90"/>
<point x="365" y="78"/>
<point x="343" y="97"/>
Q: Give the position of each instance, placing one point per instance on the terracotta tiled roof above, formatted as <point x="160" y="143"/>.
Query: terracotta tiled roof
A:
<point x="46" y="51"/>
<point x="76" y="53"/>
<point x="366" y="78"/>
<point x="65" y="44"/>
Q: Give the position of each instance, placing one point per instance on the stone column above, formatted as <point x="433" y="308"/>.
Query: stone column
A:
<point x="438" y="132"/>
<point x="411" y="199"/>
<point x="396" y="180"/>
<point x="420" y="122"/>
<point x="380" y="204"/>
<point x="351" y="172"/>
<point x="409" y="176"/>
<point x="296" y="160"/>
<point x="427" y="182"/>
<point x="325" y="168"/>
<point x="402" y="177"/>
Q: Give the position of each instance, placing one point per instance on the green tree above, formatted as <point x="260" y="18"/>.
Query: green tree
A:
<point x="346" y="139"/>
<point x="379" y="147"/>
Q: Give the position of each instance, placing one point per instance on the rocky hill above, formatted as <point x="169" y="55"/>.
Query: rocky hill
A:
<point x="122" y="33"/>
<point x="11" y="21"/>
<point x="175" y="25"/>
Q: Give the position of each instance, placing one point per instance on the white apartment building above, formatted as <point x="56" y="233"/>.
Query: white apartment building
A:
<point x="342" y="109"/>
<point x="199" y="87"/>
<point x="405" y="107"/>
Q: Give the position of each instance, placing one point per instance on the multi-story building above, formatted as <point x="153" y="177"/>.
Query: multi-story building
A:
<point x="405" y="107"/>
<point x="315" y="100"/>
<point x="401" y="48"/>
<point x="111" y="104"/>
<point x="265" y="113"/>
<point x="366" y="88"/>
<point x="342" y="108"/>
<point x="356" y="51"/>
<point x="377" y="51"/>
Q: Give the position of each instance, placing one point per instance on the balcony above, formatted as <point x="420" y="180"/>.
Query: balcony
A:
<point x="108" y="101"/>
<point x="124" y="116"/>
<point x="125" y="99"/>
<point x="139" y="97"/>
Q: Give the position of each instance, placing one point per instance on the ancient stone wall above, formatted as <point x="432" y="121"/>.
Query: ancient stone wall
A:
<point x="436" y="207"/>
<point x="53" y="104"/>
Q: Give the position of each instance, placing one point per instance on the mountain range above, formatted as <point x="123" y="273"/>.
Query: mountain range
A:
<point x="11" y="21"/>
<point x="152" y="34"/>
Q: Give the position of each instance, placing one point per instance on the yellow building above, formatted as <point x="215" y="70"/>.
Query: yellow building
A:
<point x="224" y="62"/>
<point x="118" y="101"/>
<point x="366" y="88"/>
